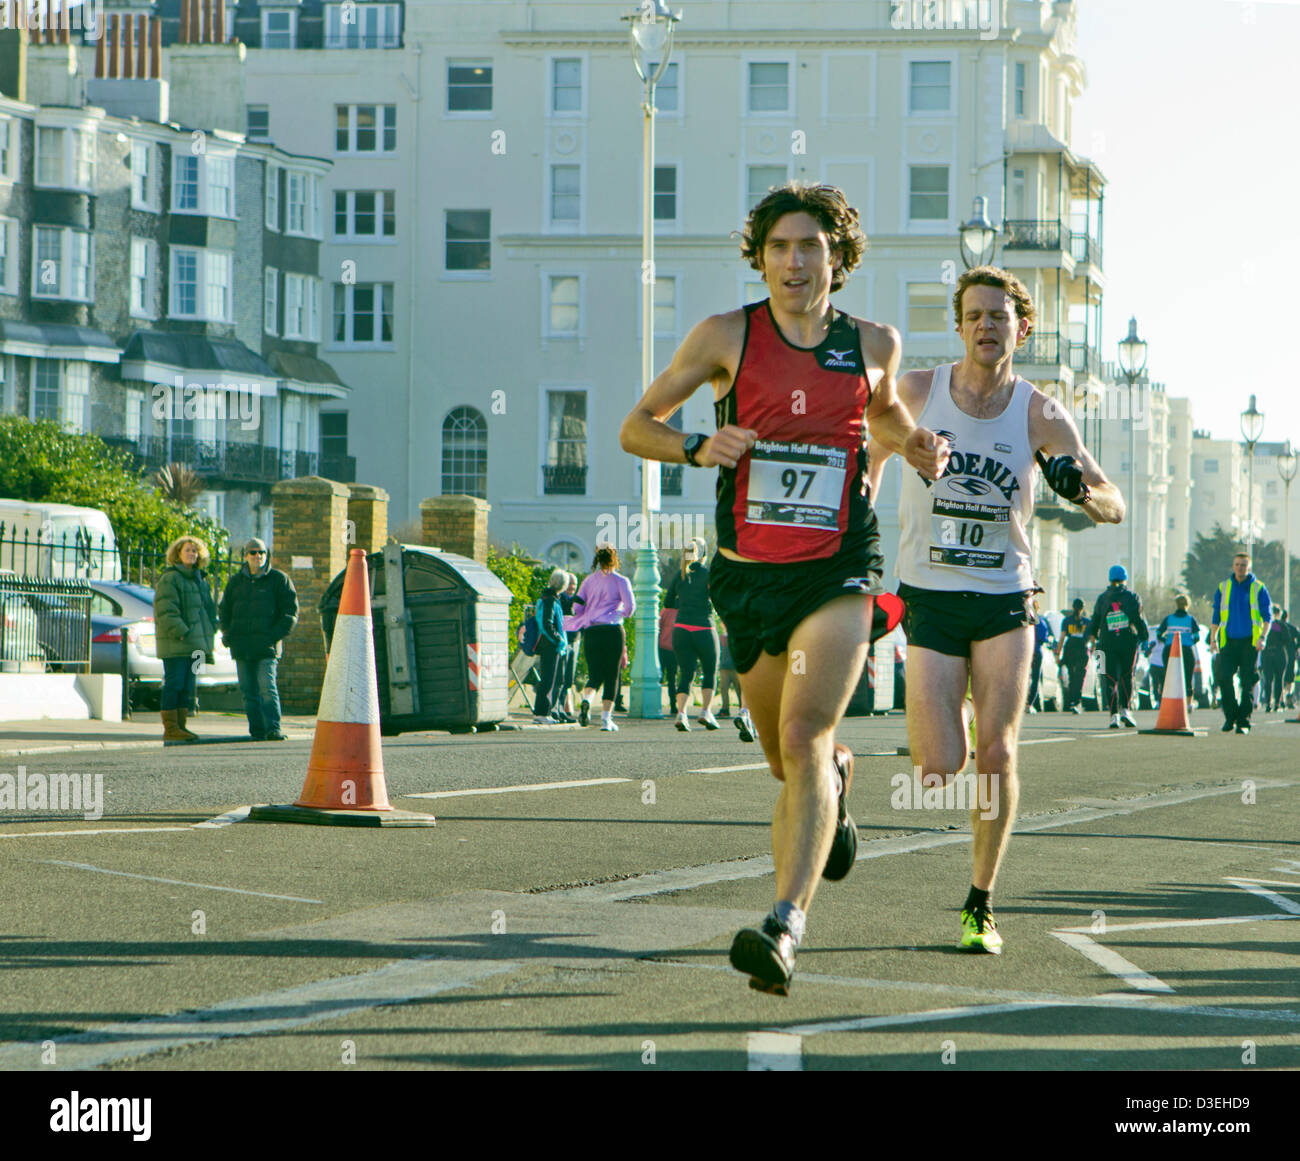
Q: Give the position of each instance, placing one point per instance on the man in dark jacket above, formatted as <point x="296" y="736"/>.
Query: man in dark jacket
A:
<point x="1072" y="653"/>
<point x="258" y="610"/>
<point x="1118" y="628"/>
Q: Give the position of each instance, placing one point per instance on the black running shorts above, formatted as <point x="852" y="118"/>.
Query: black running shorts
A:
<point x="762" y="604"/>
<point x="948" y="622"/>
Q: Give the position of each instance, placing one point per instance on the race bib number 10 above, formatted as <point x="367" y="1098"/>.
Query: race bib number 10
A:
<point x="968" y="534"/>
<point x="795" y="484"/>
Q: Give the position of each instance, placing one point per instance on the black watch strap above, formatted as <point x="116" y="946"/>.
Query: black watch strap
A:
<point x="691" y="445"/>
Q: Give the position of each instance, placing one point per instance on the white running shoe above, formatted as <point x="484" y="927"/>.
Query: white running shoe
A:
<point x="707" y="720"/>
<point x="745" y="724"/>
<point x="682" y="723"/>
<point x="607" y="724"/>
<point x="1127" y="718"/>
<point x="1114" y="721"/>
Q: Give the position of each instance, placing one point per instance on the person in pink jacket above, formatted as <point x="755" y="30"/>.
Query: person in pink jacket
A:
<point x="603" y="601"/>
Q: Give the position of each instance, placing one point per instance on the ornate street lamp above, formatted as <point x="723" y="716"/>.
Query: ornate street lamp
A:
<point x="651" y="26"/>
<point x="1132" y="361"/>
<point x="977" y="236"/>
<point x="1252" y="427"/>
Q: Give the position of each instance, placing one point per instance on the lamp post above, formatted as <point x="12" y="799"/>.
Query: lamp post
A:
<point x="1252" y="427"/>
<point x="1132" y="361"/>
<point x="1286" y="467"/>
<point x="977" y="236"/>
<point x="651" y="26"/>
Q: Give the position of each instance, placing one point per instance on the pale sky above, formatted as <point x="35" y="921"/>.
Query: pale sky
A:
<point x="1190" y="113"/>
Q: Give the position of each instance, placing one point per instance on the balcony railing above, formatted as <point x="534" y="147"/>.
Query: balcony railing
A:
<point x="1032" y="234"/>
<point x="1085" y="249"/>
<point x="564" y="479"/>
<point x="1041" y="348"/>
<point x="249" y="463"/>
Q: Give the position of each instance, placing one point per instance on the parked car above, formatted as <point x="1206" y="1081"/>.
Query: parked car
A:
<point x="118" y="607"/>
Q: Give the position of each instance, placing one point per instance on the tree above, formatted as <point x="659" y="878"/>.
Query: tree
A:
<point x="41" y="461"/>
<point x="179" y="483"/>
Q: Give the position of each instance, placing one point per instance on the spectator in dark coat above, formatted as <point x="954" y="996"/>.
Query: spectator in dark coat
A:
<point x="185" y="623"/>
<point x="258" y="610"/>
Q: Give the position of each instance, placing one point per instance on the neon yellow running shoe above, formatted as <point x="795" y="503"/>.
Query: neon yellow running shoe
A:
<point x="979" y="932"/>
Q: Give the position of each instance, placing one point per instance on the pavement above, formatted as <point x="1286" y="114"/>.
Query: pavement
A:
<point x="574" y="904"/>
<point x="143" y="730"/>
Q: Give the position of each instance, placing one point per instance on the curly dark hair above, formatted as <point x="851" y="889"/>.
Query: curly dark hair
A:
<point x="824" y="203"/>
<point x="1004" y="281"/>
<point x="606" y="557"/>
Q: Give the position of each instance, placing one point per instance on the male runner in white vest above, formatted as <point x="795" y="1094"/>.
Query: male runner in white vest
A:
<point x="798" y="561"/>
<point x="964" y="558"/>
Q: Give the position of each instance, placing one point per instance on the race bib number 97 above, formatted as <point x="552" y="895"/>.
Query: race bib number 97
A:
<point x="795" y="484"/>
<point x="968" y="534"/>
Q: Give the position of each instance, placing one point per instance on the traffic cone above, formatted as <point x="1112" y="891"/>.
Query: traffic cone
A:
<point x="1173" y="700"/>
<point x="345" y="773"/>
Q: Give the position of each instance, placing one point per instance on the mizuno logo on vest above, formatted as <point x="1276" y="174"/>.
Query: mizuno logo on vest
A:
<point x="845" y="359"/>
<point x="972" y="487"/>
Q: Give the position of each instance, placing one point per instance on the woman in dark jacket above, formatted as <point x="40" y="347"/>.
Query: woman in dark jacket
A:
<point x="185" y="624"/>
<point x="695" y="641"/>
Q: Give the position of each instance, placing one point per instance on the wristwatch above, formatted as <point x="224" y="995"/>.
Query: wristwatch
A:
<point x="691" y="445"/>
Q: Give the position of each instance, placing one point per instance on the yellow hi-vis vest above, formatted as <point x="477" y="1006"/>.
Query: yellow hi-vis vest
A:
<point x="1256" y="620"/>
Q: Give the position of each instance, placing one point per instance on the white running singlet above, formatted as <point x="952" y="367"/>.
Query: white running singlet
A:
<point x="966" y="532"/>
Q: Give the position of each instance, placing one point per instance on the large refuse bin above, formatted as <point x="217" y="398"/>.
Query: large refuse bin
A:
<point x="440" y="625"/>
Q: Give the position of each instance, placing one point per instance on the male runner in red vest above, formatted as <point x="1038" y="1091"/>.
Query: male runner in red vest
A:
<point x="797" y="560"/>
<point x="964" y="559"/>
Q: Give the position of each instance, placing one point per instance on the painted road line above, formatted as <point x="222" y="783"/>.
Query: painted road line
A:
<point x="231" y="816"/>
<point x="1113" y="962"/>
<point x="516" y="789"/>
<point x="295" y="1007"/>
<point x="1157" y="924"/>
<point x="1124" y="1001"/>
<point x="106" y="830"/>
<point x="177" y="882"/>
<point x="866" y="1023"/>
<point x="1253" y="886"/>
<point x="688" y="878"/>
<point x="728" y="769"/>
<point x="774" y="1052"/>
<point x="1044" y="741"/>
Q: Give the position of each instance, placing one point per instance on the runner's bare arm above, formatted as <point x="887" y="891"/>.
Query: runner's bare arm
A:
<point x="1052" y="431"/>
<point x="911" y="392"/>
<point x="708" y="354"/>
<point x="888" y="417"/>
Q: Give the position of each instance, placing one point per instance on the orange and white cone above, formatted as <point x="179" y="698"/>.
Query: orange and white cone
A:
<point x="1173" y="700"/>
<point x="345" y="773"/>
<point x="346" y="768"/>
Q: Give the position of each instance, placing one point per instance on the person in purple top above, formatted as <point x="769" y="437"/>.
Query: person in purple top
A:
<point x="603" y="601"/>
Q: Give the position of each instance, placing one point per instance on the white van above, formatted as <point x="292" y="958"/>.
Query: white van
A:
<point x="56" y="541"/>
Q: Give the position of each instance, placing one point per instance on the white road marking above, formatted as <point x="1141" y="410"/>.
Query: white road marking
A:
<point x="105" y="830"/>
<point x="396" y="983"/>
<point x="728" y="769"/>
<point x="687" y="878"/>
<point x="1113" y="962"/>
<point x="1253" y="886"/>
<point x="774" y="1052"/>
<point x="1044" y="741"/>
<point x="177" y="882"/>
<point x="231" y="816"/>
<point x="516" y="789"/>
<point x="864" y="1023"/>
<point x="1156" y="924"/>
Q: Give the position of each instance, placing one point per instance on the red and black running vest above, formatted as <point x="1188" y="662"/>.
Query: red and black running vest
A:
<point x="801" y="491"/>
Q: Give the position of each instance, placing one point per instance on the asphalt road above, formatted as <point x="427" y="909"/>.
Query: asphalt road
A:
<point x="1148" y="902"/>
